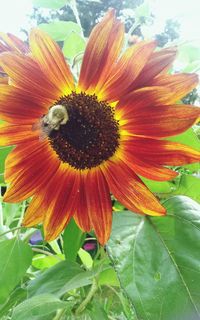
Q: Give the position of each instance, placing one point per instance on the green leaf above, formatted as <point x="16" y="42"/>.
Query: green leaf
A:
<point x="60" y="30"/>
<point x="158" y="187"/>
<point x="11" y="211"/>
<point x="15" y="298"/>
<point x="73" y="45"/>
<point x="188" y="186"/>
<point x="188" y="53"/>
<point x="108" y="277"/>
<point x="190" y="139"/>
<point x="16" y="257"/>
<point x="37" y="307"/>
<point x="85" y="258"/>
<point x="143" y="10"/>
<point x="62" y="277"/>
<point x="4" y="151"/>
<point x="73" y="239"/>
<point x="96" y="311"/>
<point x="50" y="4"/>
<point x="157" y="260"/>
<point x="192" y="67"/>
<point x="41" y="261"/>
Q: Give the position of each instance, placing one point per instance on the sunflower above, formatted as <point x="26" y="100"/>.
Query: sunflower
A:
<point x="9" y="42"/>
<point x="77" y="143"/>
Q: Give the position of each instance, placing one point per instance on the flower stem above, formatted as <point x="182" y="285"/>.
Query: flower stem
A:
<point x="59" y="314"/>
<point x="84" y="303"/>
<point x="76" y="14"/>
<point x="11" y="230"/>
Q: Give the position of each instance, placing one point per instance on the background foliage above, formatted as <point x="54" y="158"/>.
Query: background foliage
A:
<point x="149" y="269"/>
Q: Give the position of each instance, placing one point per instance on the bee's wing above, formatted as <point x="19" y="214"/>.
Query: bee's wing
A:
<point x="43" y="131"/>
<point x="36" y="126"/>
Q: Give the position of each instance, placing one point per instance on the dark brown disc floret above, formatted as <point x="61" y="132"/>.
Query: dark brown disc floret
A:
<point x="91" y="134"/>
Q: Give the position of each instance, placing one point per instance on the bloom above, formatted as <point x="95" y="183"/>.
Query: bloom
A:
<point x="76" y="143"/>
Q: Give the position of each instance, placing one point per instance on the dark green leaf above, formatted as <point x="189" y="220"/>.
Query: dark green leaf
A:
<point x="97" y="311"/>
<point x="16" y="257"/>
<point x="15" y="298"/>
<point x="60" y="30"/>
<point x="51" y="4"/>
<point x="73" y="239"/>
<point x="37" y="307"/>
<point x="157" y="260"/>
<point x="62" y="277"/>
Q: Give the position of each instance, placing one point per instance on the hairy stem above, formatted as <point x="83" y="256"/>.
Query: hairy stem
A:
<point x="84" y="303"/>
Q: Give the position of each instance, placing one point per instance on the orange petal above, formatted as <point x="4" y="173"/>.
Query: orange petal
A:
<point x="25" y="73"/>
<point x="159" y="63"/>
<point x="103" y="48"/>
<point x="179" y="84"/>
<point x="130" y="190"/>
<point x="98" y="204"/>
<point x="126" y="70"/>
<point x="163" y="121"/>
<point x="16" y="134"/>
<point x="61" y="199"/>
<point x="19" y="108"/>
<point x="51" y="60"/>
<point x="35" y="212"/>
<point x="33" y="168"/>
<point x="162" y="152"/>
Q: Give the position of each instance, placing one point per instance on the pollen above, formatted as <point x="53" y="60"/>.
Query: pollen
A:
<point x="91" y="134"/>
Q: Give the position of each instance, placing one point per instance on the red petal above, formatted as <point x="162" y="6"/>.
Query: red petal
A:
<point x="126" y="70"/>
<point x="130" y="190"/>
<point x="179" y="84"/>
<point x="9" y="42"/>
<point x="16" y="134"/>
<point x="143" y="98"/>
<point x="98" y="204"/>
<point x="161" y="121"/>
<point x="162" y="152"/>
<point x="29" y="167"/>
<point x="25" y="73"/>
<point x="103" y="48"/>
<point x="19" y="108"/>
<point x="61" y="199"/>
<point x="159" y="63"/>
<point x="81" y="214"/>
<point x="51" y="60"/>
<point x="148" y="170"/>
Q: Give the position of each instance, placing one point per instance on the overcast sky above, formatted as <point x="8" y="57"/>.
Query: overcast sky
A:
<point x="13" y="15"/>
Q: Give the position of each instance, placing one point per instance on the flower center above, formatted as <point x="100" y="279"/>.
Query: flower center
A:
<point x="90" y="134"/>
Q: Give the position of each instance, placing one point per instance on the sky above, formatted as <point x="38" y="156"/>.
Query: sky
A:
<point x="187" y="12"/>
<point x="13" y="15"/>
